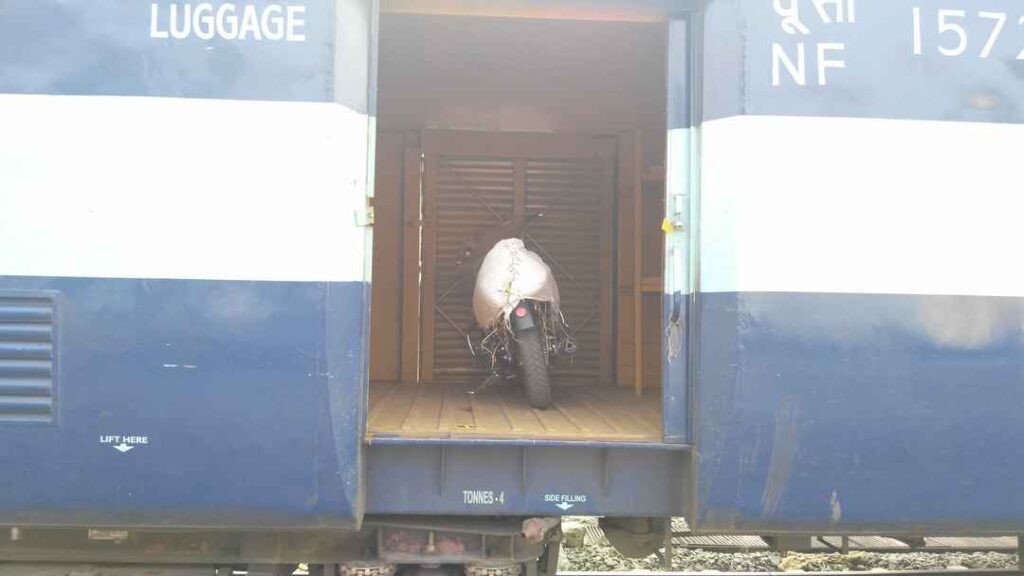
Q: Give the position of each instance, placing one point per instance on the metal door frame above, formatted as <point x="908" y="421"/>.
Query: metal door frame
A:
<point x="681" y="322"/>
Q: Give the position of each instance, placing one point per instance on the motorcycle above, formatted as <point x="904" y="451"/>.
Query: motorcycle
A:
<point x="516" y="308"/>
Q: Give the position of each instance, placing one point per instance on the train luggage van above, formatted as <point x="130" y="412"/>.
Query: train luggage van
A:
<point x="239" y="244"/>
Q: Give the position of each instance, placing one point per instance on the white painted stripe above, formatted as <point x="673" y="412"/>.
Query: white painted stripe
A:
<point x="861" y="206"/>
<point x="181" y="188"/>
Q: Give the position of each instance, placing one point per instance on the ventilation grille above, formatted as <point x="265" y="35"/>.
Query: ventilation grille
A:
<point x="27" y="357"/>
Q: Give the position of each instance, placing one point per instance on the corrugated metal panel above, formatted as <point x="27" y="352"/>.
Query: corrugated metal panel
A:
<point x="862" y="542"/>
<point x="594" y="536"/>
<point x="972" y="543"/>
<point x="27" y="357"/>
<point x="721" y="541"/>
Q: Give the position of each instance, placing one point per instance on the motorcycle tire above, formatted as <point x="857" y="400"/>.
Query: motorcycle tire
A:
<point x="533" y="369"/>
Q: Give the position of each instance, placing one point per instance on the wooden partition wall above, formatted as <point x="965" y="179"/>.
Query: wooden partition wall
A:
<point x="599" y="233"/>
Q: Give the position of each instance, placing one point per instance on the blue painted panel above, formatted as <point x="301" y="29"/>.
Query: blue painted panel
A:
<point x="857" y="412"/>
<point x="681" y="181"/>
<point x="844" y="412"/>
<point x="505" y="480"/>
<point x="675" y="366"/>
<point x="125" y="48"/>
<point x="884" y="74"/>
<point x="250" y="396"/>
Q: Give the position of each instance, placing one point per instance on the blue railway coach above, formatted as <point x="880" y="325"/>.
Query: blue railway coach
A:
<point x="784" y="232"/>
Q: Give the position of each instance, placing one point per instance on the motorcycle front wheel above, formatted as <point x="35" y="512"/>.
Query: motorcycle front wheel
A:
<point x="533" y="369"/>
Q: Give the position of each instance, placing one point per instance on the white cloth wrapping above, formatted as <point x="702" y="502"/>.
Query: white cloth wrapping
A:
<point x="511" y="273"/>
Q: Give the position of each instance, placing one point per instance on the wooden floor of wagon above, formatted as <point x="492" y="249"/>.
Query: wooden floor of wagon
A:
<point x="446" y="410"/>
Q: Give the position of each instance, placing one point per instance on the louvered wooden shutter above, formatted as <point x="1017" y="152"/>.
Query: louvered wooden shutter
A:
<point x="472" y="194"/>
<point x="512" y="176"/>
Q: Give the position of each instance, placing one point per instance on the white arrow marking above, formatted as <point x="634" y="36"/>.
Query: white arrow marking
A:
<point x="122" y="447"/>
<point x="564" y="506"/>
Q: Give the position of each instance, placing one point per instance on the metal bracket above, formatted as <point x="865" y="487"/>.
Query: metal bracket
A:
<point x="364" y="217"/>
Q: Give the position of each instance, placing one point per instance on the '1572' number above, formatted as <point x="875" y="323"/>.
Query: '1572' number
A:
<point x="953" y="37"/>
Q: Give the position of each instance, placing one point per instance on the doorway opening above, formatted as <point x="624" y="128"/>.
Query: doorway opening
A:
<point x="554" y="128"/>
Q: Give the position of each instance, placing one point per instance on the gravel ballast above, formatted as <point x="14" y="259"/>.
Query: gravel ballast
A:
<point x="600" y="557"/>
<point x="595" y="558"/>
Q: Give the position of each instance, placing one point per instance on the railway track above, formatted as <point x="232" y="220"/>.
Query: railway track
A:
<point x="818" y="554"/>
<point x="683" y="538"/>
<point x="824" y="544"/>
<point x="17" y="569"/>
<point x="780" y="573"/>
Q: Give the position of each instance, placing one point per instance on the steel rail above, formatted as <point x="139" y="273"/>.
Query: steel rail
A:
<point x="942" y="572"/>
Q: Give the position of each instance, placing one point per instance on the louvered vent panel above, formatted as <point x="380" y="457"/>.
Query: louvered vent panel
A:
<point x="568" y="237"/>
<point x="473" y="194"/>
<point x="26" y="358"/>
